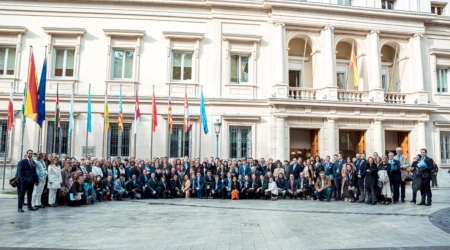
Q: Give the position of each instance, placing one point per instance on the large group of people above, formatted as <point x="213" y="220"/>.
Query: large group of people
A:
<point x="52" y="181"/>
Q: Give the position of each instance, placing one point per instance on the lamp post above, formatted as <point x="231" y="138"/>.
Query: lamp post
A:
<point x="217" y="125"/>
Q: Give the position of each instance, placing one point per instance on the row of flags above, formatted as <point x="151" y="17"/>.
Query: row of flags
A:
<point x="33" y="105"/>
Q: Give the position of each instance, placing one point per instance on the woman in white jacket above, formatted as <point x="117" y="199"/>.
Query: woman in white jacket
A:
<point x="272" y="191"/>
<point x="54" y="181"/>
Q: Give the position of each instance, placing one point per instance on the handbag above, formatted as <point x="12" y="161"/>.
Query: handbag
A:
<point x="380" y="183"/>
<point x="409" y="178"/>
<point x="14" y="182"/>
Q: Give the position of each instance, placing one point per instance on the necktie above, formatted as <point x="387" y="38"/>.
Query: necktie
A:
<point x="292" y="185"/>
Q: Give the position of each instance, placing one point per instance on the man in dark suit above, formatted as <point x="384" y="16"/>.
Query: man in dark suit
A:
<point x="198" y="185"/>
<point x="291" y="187"/>
<point x="216" y="187"/>
<point x="295" y="169"/>
<point x="209" y="180"/>
<point x="134" y="187"/>
<point x="328" y="167"/>
<point x="426" y="164"/>
<point x="263" y="185"/>
<point x="152" y="185"/>
<point x="143" y="180"/>
<point x="303" y="186"/>
<point x="26" y="171"/>
<point x="396" y="176"/>
<point x="338" y="176"/>
<point x="361" y="174"/>
<point x="175" y="187"/>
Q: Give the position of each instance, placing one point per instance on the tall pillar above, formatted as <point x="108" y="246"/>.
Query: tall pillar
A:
<point x="329" y="87"/>
<point x="376" y="92"/>
<point x="281" y="138"/>
<point x="421" y="96"/>
<point x="281" y="87"/>
<point x="331" y="141"/>
<point x="421" y="139"/>
<point x="377" y="137"/>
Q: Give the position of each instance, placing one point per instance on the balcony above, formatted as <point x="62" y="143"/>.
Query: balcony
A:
<point x="395" y="97"/>
<point x="302" y="93"/>
<point x="350" y="95"/>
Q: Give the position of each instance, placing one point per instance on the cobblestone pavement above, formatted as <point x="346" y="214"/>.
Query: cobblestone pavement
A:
<point x="225" y="224"/>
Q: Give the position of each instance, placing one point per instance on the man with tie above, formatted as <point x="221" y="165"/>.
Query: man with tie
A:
<point x="263" y="185"/>
<point x="286" y="168"/>
<point x="338" y="176"/>
<point x="361" y="174"/>
<point x="26" y="171"/>
<point x="119" y="188"/>
<point x="426" y="165"/>
<point x="198" y="186"/>
<point x="227" y="186"/>
<point x="303" y="185"/>
<point x="216" y="189"/>
<point x="396" y="176"/>
<point x="404" y="166"/>
<point x="295" y="169"/>
<point x="244" y="168"/>
<point x="143" y="180"/>
<point x="134" y="188"/>
<point x="152" y="185"/>
<point x="329" y="167"/>
<point x="245" y="186"/>
<point x="41" y="171"/>
<point x="291" y="187"/>
<point x="209" y="179"/>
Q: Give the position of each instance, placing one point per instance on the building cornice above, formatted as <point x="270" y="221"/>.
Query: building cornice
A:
<point x="13" y="29"/>
<point x="64" y="31"/>
<point x="183" y="35"/>
<point x="241" y="38"/>
<point x="124" y="33"/>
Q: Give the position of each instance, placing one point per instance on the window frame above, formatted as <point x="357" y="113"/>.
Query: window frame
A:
<point x="4" y="138"/>
<point x="120" y="145"/>
<point x="125" y="50"/>
<point x="238" y="153"/>
<point x="5" y="68"/>
<point x="179" y="141"/>
<point x="342" y="69"/>
<point x="386" y="3"/>
<point x="249" y="66"/>
<point x="439" y="82"/>
<point x="445" y="154"/>
<point x="60" y="137"/>
<point x="65" y="48"/>
<point x="438" y="8"/>
<point x="344" y="2"/>
<point x="183" y="53"/>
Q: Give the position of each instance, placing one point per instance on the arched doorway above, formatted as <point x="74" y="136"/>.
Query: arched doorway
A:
<point x="300" y="63"/>
<point x="391" y="68"/>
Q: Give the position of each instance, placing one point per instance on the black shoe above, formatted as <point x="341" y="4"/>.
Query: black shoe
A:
<point x="321" y="199"/>
<point x="403" y="200"/>
<point x="32" y="209"/>
<point x="413" y="201"/>
<point x="421" y="204"/>
<point x="20" y="210"/>
<point x="427" y="205"/>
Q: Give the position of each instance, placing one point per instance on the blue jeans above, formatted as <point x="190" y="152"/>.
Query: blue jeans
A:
<point x="327" y="193"/>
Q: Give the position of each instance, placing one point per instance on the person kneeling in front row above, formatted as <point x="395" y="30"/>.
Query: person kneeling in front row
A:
<point x="272" y="190"/>
<point x="323" y="187"/>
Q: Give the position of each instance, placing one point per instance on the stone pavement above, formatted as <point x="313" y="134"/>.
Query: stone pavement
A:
<point x="224" y="224"/>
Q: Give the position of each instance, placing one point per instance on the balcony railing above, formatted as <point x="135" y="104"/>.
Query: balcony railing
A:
<point x="350" y="95"/>
<point x="395" y="97"/>
<point x="302" y="93"/>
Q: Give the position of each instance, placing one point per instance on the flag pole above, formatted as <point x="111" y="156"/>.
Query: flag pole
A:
<point x="200" y="130"/>
<point x="184" y="123"/>
<point x="303" y="64"/>
<point x="151" y="132"/>
<point x="23" y="115"/>
<point x="87" y="129"/>
<point x="6" y="147"/>
<point x="104" y="123"/>
<point x="54" y="126"/>
<point x="40" y="128"/>
<point x="348" y="69"/>
<point x="393" y="68"/>
<point x="134" y="138"/>
<point x="119" y="144"/>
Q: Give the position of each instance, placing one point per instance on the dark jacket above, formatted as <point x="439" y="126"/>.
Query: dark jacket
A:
<point x="395" y="171"/>
<point x="287" y="185"/>
<point x="361" y="170"/>
<point x="371" y="177"/>
<point x="281" y="182"/>
<point x="305" y="183"/>
<point x="175" y="184"/>
<point x="27" y="172"/>
<point x="235" y="185"/>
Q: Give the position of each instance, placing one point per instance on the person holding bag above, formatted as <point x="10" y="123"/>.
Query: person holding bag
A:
<point x="417" y="178"/>
<point x="54" y="181"/>
<point x="384" y="170"/>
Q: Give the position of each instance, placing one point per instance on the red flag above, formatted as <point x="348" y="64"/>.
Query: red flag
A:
<point x="10" y="111"/>
<point x="154" y="113"/>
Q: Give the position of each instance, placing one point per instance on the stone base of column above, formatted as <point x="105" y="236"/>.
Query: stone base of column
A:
<point x="280" y="90"/>
<point x="376" y="95"/>
<point x="328" y="93"/>
<point x="419" y="97"/>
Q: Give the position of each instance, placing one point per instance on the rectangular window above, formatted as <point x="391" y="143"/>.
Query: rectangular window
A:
<point x="123" y="64"/>
<point x="3" y="137"/>
<point x="64" y="62"/>
<point x="182" y="66"/>
<point x="442" y="80"/>
<point x="341" y="80"/>
<point x="387" y="4"/>
<point x="385" y="79"/>
<point x="58" y="143"/>
<point x="119" y="142"/>
<point x="344" y="2"/>
<point x="239" y="69"/>
<point x="240" y="142"/>
<point x="7" y="61"/>
<point x="176" y="140"/>
<point x="437" y="9"/>
<point x="445" y="147"/>
<point x="295" y="78"/>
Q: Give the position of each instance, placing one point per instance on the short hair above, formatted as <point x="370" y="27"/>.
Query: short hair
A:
<point x="391" y="153"/>
<point x="322" y="172"/>
<point x="29" y="150"/>
<point x="397" y="148"/>
<point x="424" y="149"/>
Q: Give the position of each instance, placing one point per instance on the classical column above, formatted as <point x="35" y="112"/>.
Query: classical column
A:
<point x="377" y="136"/>
<point x="421" y="96"/>
<point x="331" y="140"/>
<point x="376" y="92"/>
<point x="421" y="139"/>
<point x="281" y="87"/>
<point x="281" y="138"/>
<point x="329" y="91"/>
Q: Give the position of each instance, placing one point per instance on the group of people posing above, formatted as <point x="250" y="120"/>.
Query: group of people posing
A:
<point x="50" y="181"/>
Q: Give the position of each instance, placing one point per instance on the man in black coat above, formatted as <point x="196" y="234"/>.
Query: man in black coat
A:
<point x="361" y="174"/>
<point x="396" y="176"/>
<point x="175" y="187"/>
<point x="426" y="165"/>
<point x="152" y="185"/>
<point x="134" y="187"/>
<point x="26" y="171"/>
<point x="143" y="179"/>
<point x="295" y="169"/>
<point x="209" y="179"/>
<point x="216" y="188"/>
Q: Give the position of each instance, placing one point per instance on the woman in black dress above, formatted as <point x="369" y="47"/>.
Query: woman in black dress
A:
<point x="371" y="181"/>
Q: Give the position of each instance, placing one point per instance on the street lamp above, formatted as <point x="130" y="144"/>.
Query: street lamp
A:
<point x="217" y="125"/>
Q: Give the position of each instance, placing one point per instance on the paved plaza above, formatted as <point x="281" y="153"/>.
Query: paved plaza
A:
<point x="225" y="224"/>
